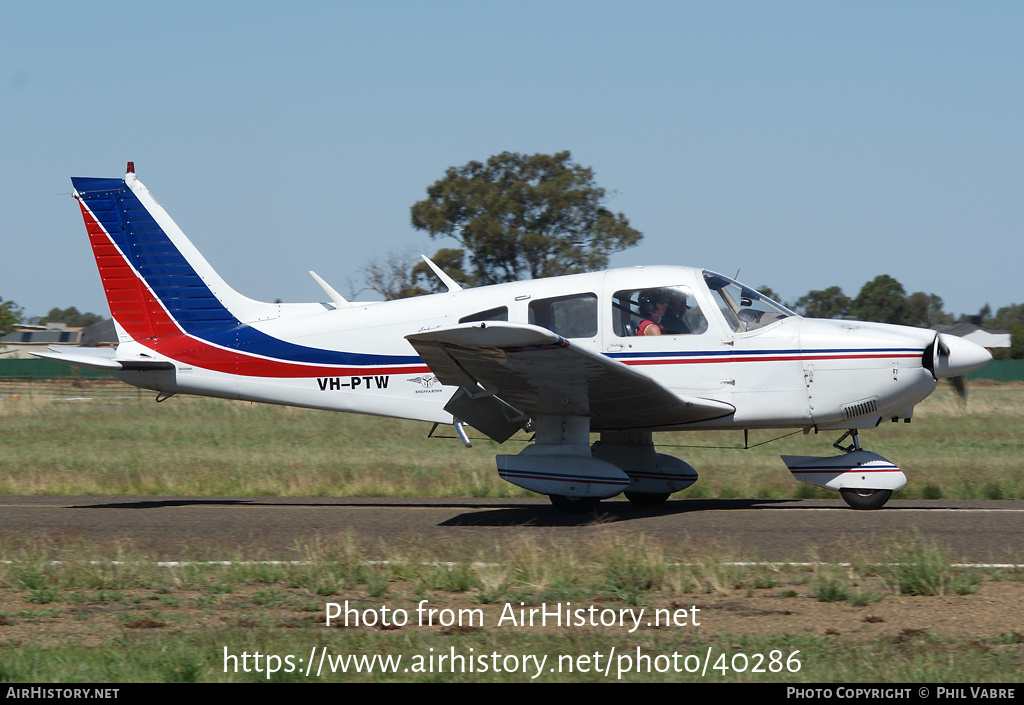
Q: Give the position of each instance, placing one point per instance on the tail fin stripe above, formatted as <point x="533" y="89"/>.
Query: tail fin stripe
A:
<point x="125" y="292"/>
<point x="159" y="302"/>
<point x="140" y="241"/>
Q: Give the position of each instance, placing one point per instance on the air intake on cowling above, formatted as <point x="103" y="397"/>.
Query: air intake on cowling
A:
<point x="860" y="408"/>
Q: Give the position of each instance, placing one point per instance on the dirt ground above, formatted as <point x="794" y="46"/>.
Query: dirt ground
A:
<point x="95" y="617"/>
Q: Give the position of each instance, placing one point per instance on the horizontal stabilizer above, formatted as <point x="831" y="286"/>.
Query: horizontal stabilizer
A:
<point x="102" y="359"/>
<point x="538" y="372"/>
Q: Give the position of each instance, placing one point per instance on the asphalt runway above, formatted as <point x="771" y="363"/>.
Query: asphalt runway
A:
<point x="271" y="527"/>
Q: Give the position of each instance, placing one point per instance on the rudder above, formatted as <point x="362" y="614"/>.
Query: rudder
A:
<point x="149" y="268"/>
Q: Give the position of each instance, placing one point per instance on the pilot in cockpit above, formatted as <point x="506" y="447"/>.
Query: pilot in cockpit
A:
<point x="653" y="307"/>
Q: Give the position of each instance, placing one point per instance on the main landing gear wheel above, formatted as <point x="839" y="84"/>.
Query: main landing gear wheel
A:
<point x="647" y="499"/>
<point x="573" y="505"/>
<point x="865" y="499"/>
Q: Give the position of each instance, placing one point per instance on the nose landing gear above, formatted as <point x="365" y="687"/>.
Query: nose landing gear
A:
<point x="865" y="480"/>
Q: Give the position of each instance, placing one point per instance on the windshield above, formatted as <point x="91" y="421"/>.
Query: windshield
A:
<point x="744" y="308"/>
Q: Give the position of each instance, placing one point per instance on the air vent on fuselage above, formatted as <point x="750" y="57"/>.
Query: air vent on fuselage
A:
<point x="857" y="409"/>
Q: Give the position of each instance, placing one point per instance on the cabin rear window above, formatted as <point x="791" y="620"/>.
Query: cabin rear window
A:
<point x="573" y="316"/>
<point x="491" y="314"/>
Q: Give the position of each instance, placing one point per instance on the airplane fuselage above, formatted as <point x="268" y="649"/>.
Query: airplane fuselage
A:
<point x="792" y="372"/>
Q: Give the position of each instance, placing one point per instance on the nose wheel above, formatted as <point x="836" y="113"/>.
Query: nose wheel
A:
<point x="865" y="499"/>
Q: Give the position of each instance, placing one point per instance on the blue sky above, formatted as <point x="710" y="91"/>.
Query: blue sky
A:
<point x="805" y="144"/>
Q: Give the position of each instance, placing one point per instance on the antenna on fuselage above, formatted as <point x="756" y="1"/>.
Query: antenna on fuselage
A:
<point x="445" y="279"/>
<point x="338" y="299"/>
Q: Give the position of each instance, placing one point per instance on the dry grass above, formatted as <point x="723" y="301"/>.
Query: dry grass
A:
<point x="116" y="442"/>
<point x="77" y="612"/>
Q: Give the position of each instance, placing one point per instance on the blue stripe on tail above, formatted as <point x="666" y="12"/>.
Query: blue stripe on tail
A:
<point x="148" y="249"/>
<point x="183" y="292"/>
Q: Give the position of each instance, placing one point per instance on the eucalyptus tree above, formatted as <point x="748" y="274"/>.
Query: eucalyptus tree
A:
<point x="522" y="216"/>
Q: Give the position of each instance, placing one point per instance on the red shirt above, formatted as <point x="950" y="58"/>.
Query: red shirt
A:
<point x="644" y="325"/>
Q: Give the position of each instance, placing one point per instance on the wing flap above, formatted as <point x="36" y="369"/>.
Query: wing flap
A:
<point x="538" y="372"/>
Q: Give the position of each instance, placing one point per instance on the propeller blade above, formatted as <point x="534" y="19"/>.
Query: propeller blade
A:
<point x="960" y="388"/>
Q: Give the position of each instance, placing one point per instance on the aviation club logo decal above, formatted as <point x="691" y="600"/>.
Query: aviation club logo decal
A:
<point x="430" y="384"/>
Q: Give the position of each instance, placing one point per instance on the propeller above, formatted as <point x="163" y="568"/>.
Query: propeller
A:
<point x="960" y="388"/>
<point x="951" y="357"/>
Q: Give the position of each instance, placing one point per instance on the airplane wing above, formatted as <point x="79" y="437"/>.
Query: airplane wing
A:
<point x="535" y="371"/>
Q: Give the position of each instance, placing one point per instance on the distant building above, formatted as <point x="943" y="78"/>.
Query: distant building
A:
<point x="18" y="344"/>
<point x="989" y="339"/>
<point x="100" y="334"/>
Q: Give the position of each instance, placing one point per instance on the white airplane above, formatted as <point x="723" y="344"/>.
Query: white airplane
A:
<point x="560" y="357"/>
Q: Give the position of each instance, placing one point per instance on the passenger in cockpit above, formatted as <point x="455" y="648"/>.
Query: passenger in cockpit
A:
<point x="674" y="320"/>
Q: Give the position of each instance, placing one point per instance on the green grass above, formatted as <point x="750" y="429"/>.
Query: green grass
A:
<point x="193" y="446"/>
<point x="921" y="567"/>
<point x="201" y="658"/>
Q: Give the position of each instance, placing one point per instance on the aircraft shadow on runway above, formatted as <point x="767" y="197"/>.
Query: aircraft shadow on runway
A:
<point x="604" y="513"/>
<point x="510" y="513"/>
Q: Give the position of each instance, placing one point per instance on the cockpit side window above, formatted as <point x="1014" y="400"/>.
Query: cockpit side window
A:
<point x="491" y="314"/>
<point x="743" y="308"/>
<point x="573" y="316"/>
<point x="672" y="309"/>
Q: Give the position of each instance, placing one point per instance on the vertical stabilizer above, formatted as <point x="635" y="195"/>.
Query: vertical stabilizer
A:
<point x="157" y="284"/>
